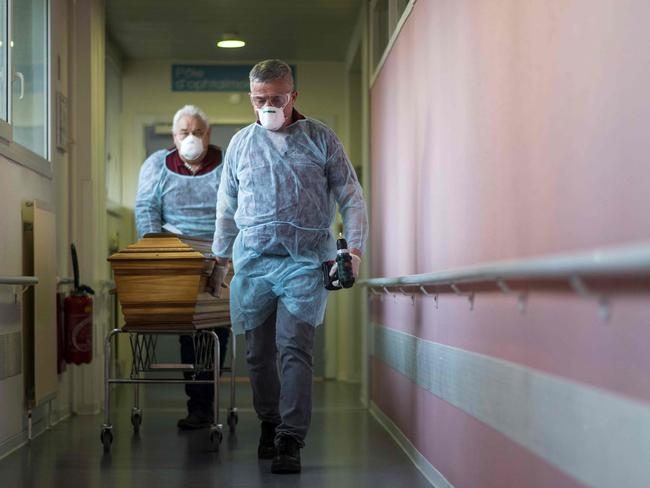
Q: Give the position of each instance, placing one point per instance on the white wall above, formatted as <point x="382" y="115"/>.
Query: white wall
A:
<point x="88" y="216"/>
<point x="345" y="333"/>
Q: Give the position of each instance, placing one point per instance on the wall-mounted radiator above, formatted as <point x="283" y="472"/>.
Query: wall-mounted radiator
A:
<point x="39" y="305"/>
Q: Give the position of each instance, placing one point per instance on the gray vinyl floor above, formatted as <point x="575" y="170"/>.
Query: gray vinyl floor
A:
<point x="346" y="447"/>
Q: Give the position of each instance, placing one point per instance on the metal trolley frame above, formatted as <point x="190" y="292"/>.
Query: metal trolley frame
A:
<point x="143" y="347"/>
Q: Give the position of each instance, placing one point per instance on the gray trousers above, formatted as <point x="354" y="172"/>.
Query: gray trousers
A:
<point x="283" y="399"/>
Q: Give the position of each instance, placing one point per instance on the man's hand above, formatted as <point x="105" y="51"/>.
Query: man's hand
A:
<point x="221" y="261"/>
<point x="216" y="280"/>
<point x="356" y="263"/>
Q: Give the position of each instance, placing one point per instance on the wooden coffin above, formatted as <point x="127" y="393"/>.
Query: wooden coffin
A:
<point x="161" y="282"/>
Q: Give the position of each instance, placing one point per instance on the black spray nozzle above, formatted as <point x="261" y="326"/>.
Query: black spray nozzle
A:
<point x="341" y="243"/>
<point x="75" y="265"/>
<point x="79" y="289"/>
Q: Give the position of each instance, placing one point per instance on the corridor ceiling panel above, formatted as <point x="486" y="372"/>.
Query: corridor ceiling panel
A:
<point x="306" y="30"/>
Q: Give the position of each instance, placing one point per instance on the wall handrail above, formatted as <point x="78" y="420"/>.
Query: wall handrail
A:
<point x="19" y="280"/>
<point x="64" y="280"/>
<point x="24" y="282"/>
<point x="629" y="260"/>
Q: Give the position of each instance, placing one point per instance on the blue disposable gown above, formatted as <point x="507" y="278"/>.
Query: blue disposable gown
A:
<point x="186" y="202"/>
<point x="277" y="201"/>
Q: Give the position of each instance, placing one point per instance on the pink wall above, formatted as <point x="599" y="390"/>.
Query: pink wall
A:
<point x="467" y="452"/>
<point x="505" y="129"/>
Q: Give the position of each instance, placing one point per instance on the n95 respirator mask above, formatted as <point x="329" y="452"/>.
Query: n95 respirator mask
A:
<point x="271" y="118"/>
<point x="191" y="148"/>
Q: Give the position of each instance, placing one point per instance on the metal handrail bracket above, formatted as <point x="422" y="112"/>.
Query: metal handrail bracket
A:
<point x="21" y="283"/>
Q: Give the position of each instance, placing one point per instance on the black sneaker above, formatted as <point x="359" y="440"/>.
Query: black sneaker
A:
<point x="287" y="456"/>
<point x="266" y="449"/>
<point x="196" y="420"/>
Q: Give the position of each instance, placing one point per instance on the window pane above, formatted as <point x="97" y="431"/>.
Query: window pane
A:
<point x="3" y="59"/>
<point x="29" y="86"/>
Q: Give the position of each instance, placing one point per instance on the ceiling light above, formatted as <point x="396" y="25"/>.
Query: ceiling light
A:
<point x="230" y="41"/>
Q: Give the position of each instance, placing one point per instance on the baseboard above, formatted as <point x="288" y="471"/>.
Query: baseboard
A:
<point x="19" y="440"/>
<point x="89" y="409"/>
<point x="432" y="475"/>
<point x="64" y="416"/>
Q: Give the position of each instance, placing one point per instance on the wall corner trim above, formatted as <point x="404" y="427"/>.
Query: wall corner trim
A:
<point x="432" y="475"/>
<point x="391" y="42"/>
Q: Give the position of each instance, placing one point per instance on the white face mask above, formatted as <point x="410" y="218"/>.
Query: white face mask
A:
<point x="191" y="148"/>
<point x="271" y="118"/>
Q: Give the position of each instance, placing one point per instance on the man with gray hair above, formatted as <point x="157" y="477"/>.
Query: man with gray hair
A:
<point x="282" y="179"/>
<point x="177" y="192"/>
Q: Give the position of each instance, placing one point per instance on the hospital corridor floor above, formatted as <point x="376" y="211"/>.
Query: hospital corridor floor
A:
<point x="346" y="447"/>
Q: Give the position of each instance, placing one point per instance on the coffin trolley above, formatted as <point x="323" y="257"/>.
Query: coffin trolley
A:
<point x="161" y="285"/>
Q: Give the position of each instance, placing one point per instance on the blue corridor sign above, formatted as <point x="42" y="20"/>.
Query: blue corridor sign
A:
<point x="212" y="77"/>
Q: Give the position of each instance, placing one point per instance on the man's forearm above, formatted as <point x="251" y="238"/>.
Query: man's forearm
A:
<point x="355" y="226"/>
<point x="225" y="227"/>
<point x="147" y="221"/>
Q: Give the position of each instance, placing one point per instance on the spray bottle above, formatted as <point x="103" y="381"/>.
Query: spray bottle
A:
<point x="344" y="276"/>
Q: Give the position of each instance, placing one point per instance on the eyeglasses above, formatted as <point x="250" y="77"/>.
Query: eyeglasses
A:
<point x="277" y="101"/>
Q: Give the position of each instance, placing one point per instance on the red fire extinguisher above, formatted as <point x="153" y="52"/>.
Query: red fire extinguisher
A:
<point x="78" y="312"/>
<point x="60" y="332"/>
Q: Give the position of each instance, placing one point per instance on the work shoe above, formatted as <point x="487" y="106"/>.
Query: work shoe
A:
<point x="287" y="456"/>
<point x="266" y="449"/>
<point x="196" y="420"/>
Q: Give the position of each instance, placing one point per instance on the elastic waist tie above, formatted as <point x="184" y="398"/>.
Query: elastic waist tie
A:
<point x="311" y="229"/>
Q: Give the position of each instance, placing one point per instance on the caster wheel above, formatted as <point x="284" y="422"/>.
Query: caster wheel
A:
<point x="233" y="420"/>
<point x="136" y="421"/>
<point x="215" y="439"/>
<point x="107" y="439"/>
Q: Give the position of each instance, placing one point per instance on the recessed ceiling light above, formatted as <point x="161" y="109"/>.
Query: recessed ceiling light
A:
<point x="230" y="41"/>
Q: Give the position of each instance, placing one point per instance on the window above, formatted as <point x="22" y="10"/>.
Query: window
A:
<point x="29" y="90"/>
<point x="24" y="82"/>
<point x="386" y="18"/>
<point x="3" y="60"/>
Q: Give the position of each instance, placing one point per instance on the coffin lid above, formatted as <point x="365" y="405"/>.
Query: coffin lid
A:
<point x="164" y="246"/>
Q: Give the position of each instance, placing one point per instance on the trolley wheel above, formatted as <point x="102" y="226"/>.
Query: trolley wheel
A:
<point x="233" y="420"/>
<point x="107" y="439"/>
<point x="216" y="437"/>
<point x="136" y="420"/>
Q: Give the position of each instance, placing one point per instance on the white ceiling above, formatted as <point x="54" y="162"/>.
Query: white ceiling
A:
<point x="306" y="30"/>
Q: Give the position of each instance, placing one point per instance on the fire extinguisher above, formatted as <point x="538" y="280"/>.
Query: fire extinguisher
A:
<point x="78" y="313"/>
<point x="60" y="332"/>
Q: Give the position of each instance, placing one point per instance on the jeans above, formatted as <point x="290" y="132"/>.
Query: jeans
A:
<point x="285" y="398"/>
<point x="201" y="397"/>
